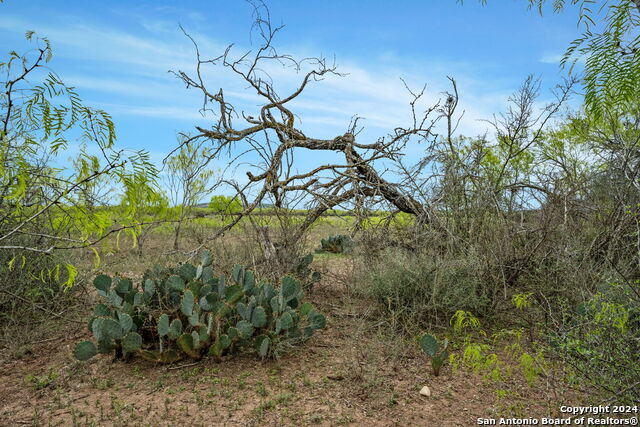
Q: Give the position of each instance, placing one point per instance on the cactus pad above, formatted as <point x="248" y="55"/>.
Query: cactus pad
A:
<point x="85" y="350"/>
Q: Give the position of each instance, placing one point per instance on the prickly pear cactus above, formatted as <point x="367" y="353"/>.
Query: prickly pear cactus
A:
<point x="337" y="244"/>
<point x="189" y="311"/>
<point x="429" y="344"/>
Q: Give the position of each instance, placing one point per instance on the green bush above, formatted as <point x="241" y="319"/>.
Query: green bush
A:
<point x="601" y="341"/>
<point x="417" y="289"/>
<point x="31" y="285"/>
<point x="225" y="205"/>
<point x="190" y="311"/>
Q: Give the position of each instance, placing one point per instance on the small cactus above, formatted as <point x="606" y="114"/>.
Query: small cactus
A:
<point x="430" y="346"/>
<point x="263" y="346"/>
<point x="85" y="350"/>
<point x="336" y="244"/>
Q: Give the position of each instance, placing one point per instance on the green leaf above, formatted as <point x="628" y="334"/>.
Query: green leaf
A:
<point x="114" y="299"/>
<point x="96" y="327"/>
<point x="112" y="329"/>
<point x="249" y="281"/>
<point x="233" y="333"/>
<point x="238" y="273"/>
<point x="169" y="356"/>
<point x="175" y="283"/>
<point x="163" y="325"/>
<point x="102" y="310"/>
<point x="207" y="258"/>
<point x="194" y="319"/>
<point x="131" y="342"/>
<point x="241" y="308"/>
<point x="275" y="305"/>
<point x="186" y="344"/>
<point x="149" y="287"/>
<point x="289" y="287"/>
<point x="106" y="328"/>
<point x="306" y="308"/>
<point x="259" y="317"/>
<point x="286" y="321"/>
<point x="264" y="347"/>
<point x="85" y="350"/>
<point x="245" y="329"/>
<point x="124" y="286"/>
<point x="222" y="343"/>
<point x="175" y="329"/>
<point x="138" y="299"/>
<point x="317" y="320"/>
<point x="126" y="322"/>
<point x="268" y="291"/>
<point x="151" y="356"/>
<point x="203" y="335"/>
<point x="187" y="272"/>
<point x="429" y="344"/>
<point x="225" y="341"/>
<point x="222" y="288"/>
<point x="207" y="301"/>
<point x="232" y="293"/>
<point x="196" y="339"/>
<point x="188" y="300"/>
<point x="105" y="345"/>
<point x="207" y="274"/>
<point x="102" y="282"/>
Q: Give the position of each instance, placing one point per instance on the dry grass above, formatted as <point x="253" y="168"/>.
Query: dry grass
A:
<point x="355" y="372"/>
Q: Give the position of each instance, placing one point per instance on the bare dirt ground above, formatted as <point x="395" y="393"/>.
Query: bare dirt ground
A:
<point x="352" y="373"/>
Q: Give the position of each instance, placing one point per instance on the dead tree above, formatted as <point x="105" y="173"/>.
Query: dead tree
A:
<point x="274" y="134"/>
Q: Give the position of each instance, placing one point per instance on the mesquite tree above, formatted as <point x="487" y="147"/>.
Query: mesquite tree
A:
<point x="45" y="207"/>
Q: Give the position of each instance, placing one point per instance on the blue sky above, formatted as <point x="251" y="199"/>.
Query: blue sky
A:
<point x="117" y="54"/>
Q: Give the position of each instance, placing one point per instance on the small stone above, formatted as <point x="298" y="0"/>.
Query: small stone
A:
<point x="425" y="391"/>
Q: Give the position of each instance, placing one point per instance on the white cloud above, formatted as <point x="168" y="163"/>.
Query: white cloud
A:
<point x="132" y="68"/>
<point x="551" y="58"/>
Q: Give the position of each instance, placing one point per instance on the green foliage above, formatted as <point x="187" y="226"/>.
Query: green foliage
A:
<point x="46" y="209"/>
<point x="429" y="344"/>
<point x="522" y="301"/>
<point x="601" y="341"/>
<point x="189" y="180"/>
<point x="463" y="320"/>
<point x="610" y="50"/>
<point x="190" y="311"/>
<point x="39" y="382"/>
<point x="481" y="357"/>
<point x="225" y="205"/>
<point x="417" y="289"/>
<point x="336" y="244"/>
